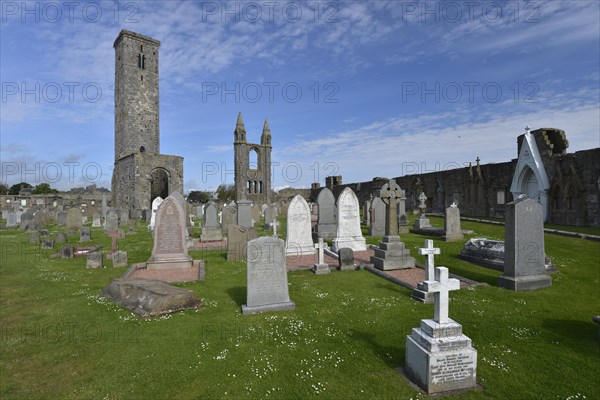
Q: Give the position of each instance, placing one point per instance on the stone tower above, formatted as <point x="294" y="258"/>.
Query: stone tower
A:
<point x="141" y="173"/>
<point x="252" y="165"/>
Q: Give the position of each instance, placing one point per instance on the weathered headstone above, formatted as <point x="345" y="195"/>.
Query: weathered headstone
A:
<point x="452" y="224"/>
<point x="170" y="244"/>
<point x="270" y="214"/>
<point x="244" y="213"/>
<point x="237" y="242"/>
<point x="402" y="217"/>
<point x="61" y="237"/>
<point x="267" y="288"/>
<point x="85" y="234"/>
<point x="377" y="217"/>
<point x="320" y="267"/>
<point x="96" y="222"/>
<point x="93" y="260"/>
<point x="61" y="218"/>
<point x="104" y="208"/>
<point x="256" y="213"/>
<point x="39" y="219"/>
<point x="367" y="211"/>
<point x="391" y="253"/>
<point x="439" y="358"/>
<point x="199" y="211"/>
<point x="299" y="238"/>
<point x="34" y="237"/>
<point x="155" y="204"/>
<point x="211" y="231"/>
<point x="124" y="218"/>
<point x="524" y="247"/>
<point x="326" y="223"/>
<point x="229" y="216"/>
<point x="67" y="252"/>
<point x="348" y="223"/>
<point x="47" y="244"/>
<point x="74" y="218"/>
<point x="119" y="258"/>
<point x="11" y="219"/>
<point x="346" y="259"/>
<point x="27" y="219"/>
<point x="111" y="223"/>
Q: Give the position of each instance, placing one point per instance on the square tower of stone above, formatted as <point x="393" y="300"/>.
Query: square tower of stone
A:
<point x="141" y="173"/>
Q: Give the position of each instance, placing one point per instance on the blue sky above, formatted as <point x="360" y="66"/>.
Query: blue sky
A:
<point x="358" y="89"/>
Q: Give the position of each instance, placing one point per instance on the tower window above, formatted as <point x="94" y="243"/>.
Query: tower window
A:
<point x="141" y="48"/>
<point x="142" y="149"/>
<point x="142" y="78"/>
<point x="141" y="61"/>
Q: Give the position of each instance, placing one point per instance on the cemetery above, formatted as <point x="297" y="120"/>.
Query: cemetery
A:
<point x="226" y="336"/>
<point x="348" y="291"/>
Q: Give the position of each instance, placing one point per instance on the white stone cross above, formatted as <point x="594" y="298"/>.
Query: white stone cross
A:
<point x="422" y="199"/>
<point x="430" y="252"/>
<point x="320" y="246"/>
<point x="274" y="226"/>
<point x="441" y="287"/>
<point x="453" y="205"/>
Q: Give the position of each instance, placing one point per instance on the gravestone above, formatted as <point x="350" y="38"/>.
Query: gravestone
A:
<point x="299" y="238"/>
<point x="422" y="222"/>
<point x="402" y="217"/>
<point x="320" y="267"/>
<point x="348" y="223"/>
<point x="84" y="220"/>
<point x="267" y="288"/>
<point x="377" y="217"/>
<point x="391" y="253"/>
<point x="74" y="219"/>
<point x="61" y="237"/>
<point x="326" y="223"/>
<point x="96" y="223"/>
<point x="34" y="237"/>
<point x="27" y="219"/>
<point x="439" y="358"/>
<point x="452" y="224"/>
<point x="244" y="213"/>
<point x="155" y="204"/>
<point x="170" y="244"/>
<point x="524" y="256"/>
<point x="11" y="219"/>
<point x="93" y="260"/>
<point x="67" y="252"/>
<point x="39" y="219"/>
<point x="256" y="213"/>
<point x="61" y="218"/>
<point x="237" y="242"/>
<point x="16" y="206"/>
<point x="124" y="218"/>
<point x="211" y="231"/>
<point x="199" y="211"/>
<point x="85" y="234"/>
<point x="104" y="208"/>
<point x="367" y="211"/>
<point x="346" y="259"/>
<point x="47" y="244"/>
<point x="119" y="258"/>
<point x="111" y="223"/>
<point x="419" y="293"/>
<point x="270" y="214"/>
<point x="229" y="217"/>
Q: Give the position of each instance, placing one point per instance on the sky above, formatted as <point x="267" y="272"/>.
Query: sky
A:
<point x="351" y="88"/>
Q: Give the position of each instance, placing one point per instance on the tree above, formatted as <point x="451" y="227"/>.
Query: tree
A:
<point x="43" y="188"/>
<point x="3" y="189"/>
<point x="197" y="196"/>
<point x="16" y="188"/>
<point x="226" y="192"/>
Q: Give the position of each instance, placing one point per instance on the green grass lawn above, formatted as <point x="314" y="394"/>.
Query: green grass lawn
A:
<point x="345" y="339"/>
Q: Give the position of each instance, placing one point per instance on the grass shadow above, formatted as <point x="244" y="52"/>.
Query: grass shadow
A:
<point x="379" y="350"/>
<point x="574" y="330"/>
<point x="237" y="294"/>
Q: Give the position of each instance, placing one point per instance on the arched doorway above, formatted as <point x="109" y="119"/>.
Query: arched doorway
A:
<point x="159" y="184"/>
<point x="530" y="185"/>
